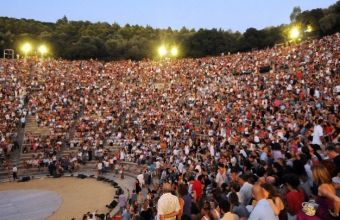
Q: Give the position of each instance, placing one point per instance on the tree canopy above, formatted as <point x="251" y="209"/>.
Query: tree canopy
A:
<point x="101" y="40"/>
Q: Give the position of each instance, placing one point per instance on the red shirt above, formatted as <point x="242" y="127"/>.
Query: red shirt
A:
<point x="227" y="120"/>
<point x="299" y="75"/>
<point x="295" y="200"/>
<point x="277" y="103"/>
<point x="328" y="130"/>
<point x="198" y="188"/>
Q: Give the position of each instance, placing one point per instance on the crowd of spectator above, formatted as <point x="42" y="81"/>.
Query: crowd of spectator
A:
<point x="13" y="94"/>
<point x="249" y="135"/>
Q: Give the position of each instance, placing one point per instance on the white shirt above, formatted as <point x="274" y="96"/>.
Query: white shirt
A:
<point x="198" y="167"/>
<point x="140" y="178"/>
<point x="212" y="150"/>
<point x="186" y="150"/>
<point x="220" y="178"/>
<point x="99" y="166"/>
<point x="230" y="216"/>
<point x="263" y="211"/>
<point x="158" y="165"/>
<point x="167" y="204"/>
<point x="317" y="133"/>
<point x="180" y="167"/>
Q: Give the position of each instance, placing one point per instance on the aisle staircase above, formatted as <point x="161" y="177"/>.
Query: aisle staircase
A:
<point x="33" y="128"/>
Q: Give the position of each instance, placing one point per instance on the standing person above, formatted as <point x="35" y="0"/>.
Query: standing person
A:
<point x="90" y="153"/>
<point x="206" y="211"/>
<point x="146" y="212"/>
<point x="274" y="198"/>
<point x="294" y="195"/>
<point x="23" y="121"/>
<point x="168" y="206"/>
<point x="137" y="187"/>
<point x="126" y="214"/>
<point x="226" y="212"/>
<point x="329" y="202"/>
<point x="335" y="157"/>
<point x="99" y="167"/>
<point x="122" y="201"/>
<point x="235" y="206"/>
<point x="141" y="179"/>
<point x="197" y="188"/>
<point x="263" y="209"/>
<point x="15" y="173"/>
<point x="245" y="191"/>
<point x="221" y="176"/>
<point x="185" y="202"/>
<point x="317" y="133"/>
<point x="121" y="172"/>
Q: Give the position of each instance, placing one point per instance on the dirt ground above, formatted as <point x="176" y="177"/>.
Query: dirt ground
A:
<point x="79" y="195"/>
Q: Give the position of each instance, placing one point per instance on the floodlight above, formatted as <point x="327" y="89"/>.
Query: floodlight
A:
<point x="26" y="48"/>
<point x="309" y="28"/>
<point x="42" y="50"/>
<point x="162" y="51"/>
<point x="294" y="33"/>
<point x="174" y="51"/>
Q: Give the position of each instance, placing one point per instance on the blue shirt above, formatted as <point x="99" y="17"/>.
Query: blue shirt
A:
<point x="263" y="211"/>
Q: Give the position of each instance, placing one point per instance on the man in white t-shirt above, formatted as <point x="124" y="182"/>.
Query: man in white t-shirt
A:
<point x="14" y="172"/>
<point x="99" y="167"/>
<point x="168" y="205"/>
<point x="221" y="176"/>
<point x="317" y="133"/>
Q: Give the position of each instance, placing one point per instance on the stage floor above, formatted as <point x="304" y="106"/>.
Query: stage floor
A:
<point x="61" y="198"/>
<point x="28" y="204"/>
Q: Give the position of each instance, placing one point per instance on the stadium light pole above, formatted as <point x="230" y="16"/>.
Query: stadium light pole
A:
<point x="26" y="48"/>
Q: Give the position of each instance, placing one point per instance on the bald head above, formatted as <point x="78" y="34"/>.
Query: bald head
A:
<point x="258" y="192"/>
<point x="270" y="180"/>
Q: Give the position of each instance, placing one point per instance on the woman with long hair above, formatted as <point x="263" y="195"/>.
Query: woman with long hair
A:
<point x="206" y="211"/>
<point x="328" y="201"/>
<point x="274" y="199"/>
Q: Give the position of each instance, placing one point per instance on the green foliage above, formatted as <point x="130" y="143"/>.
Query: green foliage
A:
<point x="85" y="40"/>
<point x="330" y="23"/>
<point x="296" y="12"/>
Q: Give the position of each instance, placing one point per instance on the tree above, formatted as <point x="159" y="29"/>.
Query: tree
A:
<point x="296" y="11"/>
<point x="252" y="39"/>
<point x="330" y="23"/>
<point x="84" y="40"/>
